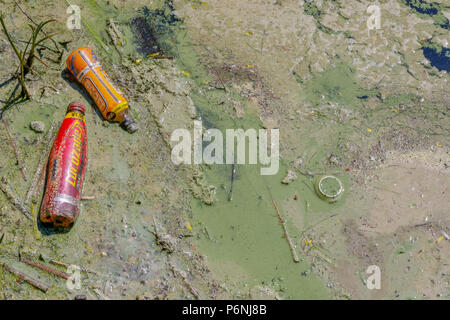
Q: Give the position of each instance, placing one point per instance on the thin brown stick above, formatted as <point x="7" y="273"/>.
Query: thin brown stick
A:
<point x="38" y="139"/>
<point x="41" y="163"/>
<point x="178" y="273"/>
<point x="283" y="224"/>
<point x="23" y="276"/>
<point x="59" y="263"/>
<point x="41" y="61"/>
<point x="319" y="222"/>
<point x="87" y="197"/>
<point x="45" y="268"/>
<point x="10" y="196"/>
<point x="233" y="172"/>
<point x="49" y="142"/>
<point x="36" y="176"/>
<point x="13" y="144"/>
<point x="40" y="183"/>
<point x="163" y="57"/>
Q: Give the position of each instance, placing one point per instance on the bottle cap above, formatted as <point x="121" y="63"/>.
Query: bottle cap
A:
<point x="329" y="188"/>
<point x="76" y="106"/>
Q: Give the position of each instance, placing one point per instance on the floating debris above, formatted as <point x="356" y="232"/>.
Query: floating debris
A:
<point x="329" y="188"/>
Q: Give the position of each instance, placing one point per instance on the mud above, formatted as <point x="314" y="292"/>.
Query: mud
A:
<point x="366" y="107"/>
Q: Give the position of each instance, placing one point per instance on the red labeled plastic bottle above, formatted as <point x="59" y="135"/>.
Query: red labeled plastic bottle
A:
<point x="66" y="168"/>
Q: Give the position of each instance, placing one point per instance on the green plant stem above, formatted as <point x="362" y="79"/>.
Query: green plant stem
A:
<point x="19" y="55"/>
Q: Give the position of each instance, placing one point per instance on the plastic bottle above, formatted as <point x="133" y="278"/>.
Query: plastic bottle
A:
<point x="84" y="65"/>
<point x="66" y="168"/>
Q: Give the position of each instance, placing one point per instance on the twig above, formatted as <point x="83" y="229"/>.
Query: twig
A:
<point x="233" y="171"/>
<point x="386" y="189"/>
<point x="283" y="224"/>
<point x="115" y="36"/>
<point x="49" y="139"/>
<point x="45" y="268"/>
<point x="36" y="176"/>
<point x="41" y="61"/>
<point x="26" y="278"/>
<point x="66" y="265"/>
<point x="207" y="233"/>
<point x="101" y="295"/>
<point x="163" y="57"/>
<point x="87" y="197"/>
<point x="13" y="144"/>
<point x="185" y="280"/>
<point x="262" y="40"/>
<point x="41" y="181"/>
<point x="4" y="187"/>
<point x="319" y="222"/>
<point x="429" y="223"/>
<point x="41" y="163"/>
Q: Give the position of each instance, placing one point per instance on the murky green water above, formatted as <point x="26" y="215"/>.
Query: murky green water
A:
<point x="244" y="238"/>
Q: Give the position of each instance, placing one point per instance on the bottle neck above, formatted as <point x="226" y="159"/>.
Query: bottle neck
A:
<point x="74" y="114"/>
<point x="128" y="123"/>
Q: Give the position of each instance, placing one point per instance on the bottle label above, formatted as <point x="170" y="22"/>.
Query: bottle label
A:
<point x="75" y="115"/>
<point x="120" y="107"/>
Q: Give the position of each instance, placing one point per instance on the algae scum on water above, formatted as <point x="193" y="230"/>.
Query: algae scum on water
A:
<point x="242" y="238"/>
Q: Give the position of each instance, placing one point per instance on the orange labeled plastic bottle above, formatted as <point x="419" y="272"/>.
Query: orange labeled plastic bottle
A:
<point x="84" y="65"/>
